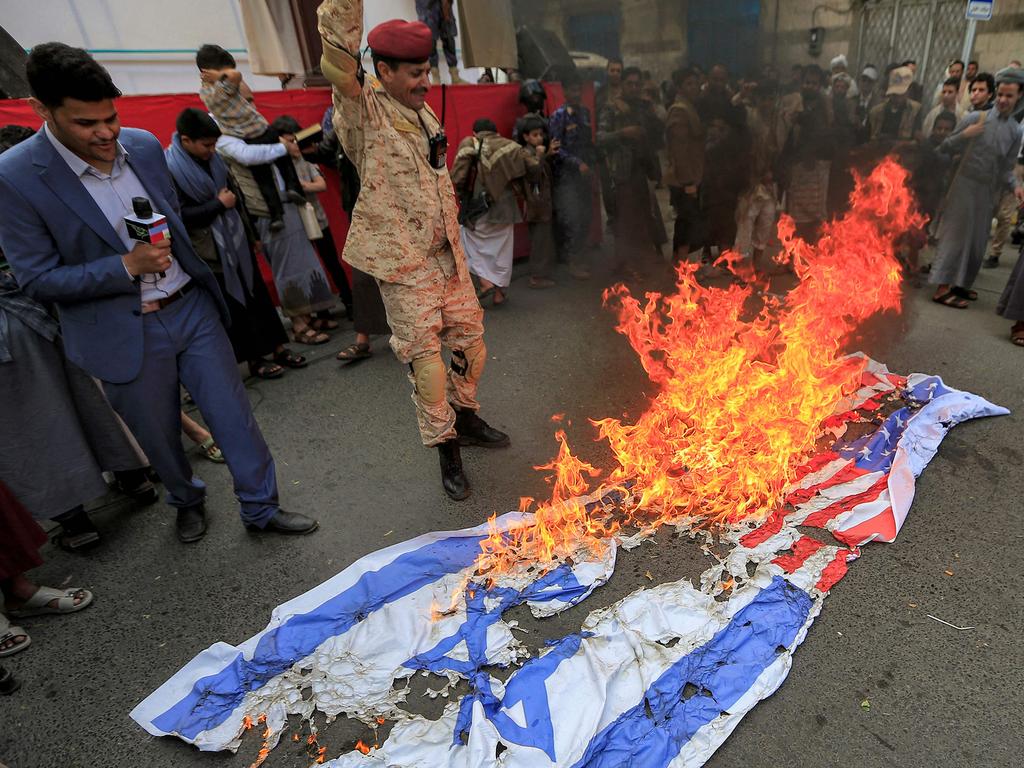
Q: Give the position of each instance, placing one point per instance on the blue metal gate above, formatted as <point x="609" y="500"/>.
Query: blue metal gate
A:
<point x="595" y="33"/>
<point x="724" y="32"/>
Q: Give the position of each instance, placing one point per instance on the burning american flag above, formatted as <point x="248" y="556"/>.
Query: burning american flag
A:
<point x="767" y="440"/>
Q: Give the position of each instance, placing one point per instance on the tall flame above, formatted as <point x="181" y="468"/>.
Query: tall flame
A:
<point x="742" y="390"/>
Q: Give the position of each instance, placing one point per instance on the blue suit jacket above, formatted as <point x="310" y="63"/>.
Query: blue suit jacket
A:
<point x="63" y="250"/>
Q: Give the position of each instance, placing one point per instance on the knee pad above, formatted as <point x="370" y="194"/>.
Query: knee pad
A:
<point x="469" y="362"/>
<point x="429" y="378"/>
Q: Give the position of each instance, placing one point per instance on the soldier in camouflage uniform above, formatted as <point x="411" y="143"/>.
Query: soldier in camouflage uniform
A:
<point x="440" y="17"/>
<point x="405" y="229"/>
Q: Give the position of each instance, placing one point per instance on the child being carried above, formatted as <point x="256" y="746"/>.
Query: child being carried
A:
<point x="229" y="100"/>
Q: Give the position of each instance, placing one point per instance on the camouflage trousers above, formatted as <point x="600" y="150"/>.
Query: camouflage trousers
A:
<point x="436" y="308"/>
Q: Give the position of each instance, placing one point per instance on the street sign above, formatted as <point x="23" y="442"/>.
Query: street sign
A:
<point x="979" y="10"/>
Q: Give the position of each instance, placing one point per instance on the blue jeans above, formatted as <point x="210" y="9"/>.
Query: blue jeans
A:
<point x="187" y="343"/>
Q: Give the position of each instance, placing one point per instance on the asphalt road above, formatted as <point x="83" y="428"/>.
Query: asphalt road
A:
<point x="347" y="451"/>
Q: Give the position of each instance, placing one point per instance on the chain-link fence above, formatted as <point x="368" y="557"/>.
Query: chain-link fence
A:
<point x="929" y="31"/>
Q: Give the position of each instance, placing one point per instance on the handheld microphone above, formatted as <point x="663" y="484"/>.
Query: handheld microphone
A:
<point x="146" y="225"/>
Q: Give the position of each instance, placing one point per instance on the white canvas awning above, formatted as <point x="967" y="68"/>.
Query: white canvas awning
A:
<point x="272" y="40"/>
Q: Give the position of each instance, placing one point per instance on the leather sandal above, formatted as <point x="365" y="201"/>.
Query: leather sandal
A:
<point x="265" y="370"/>
<point x="289" y="359"/>
<point x="950" y="299"/>
<point x="354" y="352"/>
<point x="310" y="337"/>
<point x="965" y="293"/>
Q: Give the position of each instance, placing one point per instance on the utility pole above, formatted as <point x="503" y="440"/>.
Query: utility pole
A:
<point x="972" y="29"/>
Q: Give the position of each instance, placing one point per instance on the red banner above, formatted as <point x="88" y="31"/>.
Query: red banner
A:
<point x="460" y="105"/>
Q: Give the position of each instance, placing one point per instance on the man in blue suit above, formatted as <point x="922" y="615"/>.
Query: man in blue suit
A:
<point x="139" y="317"/>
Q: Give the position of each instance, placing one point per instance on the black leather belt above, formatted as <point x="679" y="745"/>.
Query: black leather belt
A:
<point x="158" y="304"/>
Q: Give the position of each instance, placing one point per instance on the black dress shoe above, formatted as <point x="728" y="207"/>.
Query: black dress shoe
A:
<point x="191" y="523"/>
<point x="991" y="262"/>
<point x="77" y="531"/>
<point x="475" y="431"/>
<point x="453" y="478"/>
<point x="136" y="486"/>
<point x="290" y="523"/>
<point x="8" y="683"/>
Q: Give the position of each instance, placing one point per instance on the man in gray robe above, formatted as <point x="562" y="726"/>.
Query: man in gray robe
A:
<point x="989" y="142"/>
<point x="1011" y="303"/>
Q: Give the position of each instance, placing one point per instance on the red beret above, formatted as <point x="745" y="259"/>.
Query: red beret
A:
<point x="403" y="40"/>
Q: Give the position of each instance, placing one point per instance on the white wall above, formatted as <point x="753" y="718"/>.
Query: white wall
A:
<point x="146" y="46"/>
<point x="149" y="45"/>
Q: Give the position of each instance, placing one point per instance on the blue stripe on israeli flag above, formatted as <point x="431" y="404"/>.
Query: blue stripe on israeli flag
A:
<point x="652" y="732"/>
<point x="213" y="698"/>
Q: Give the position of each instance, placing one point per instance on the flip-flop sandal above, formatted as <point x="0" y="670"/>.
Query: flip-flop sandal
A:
<point x="39" y="603"/>
<point x="1017" y="335"/>
<point x="966" y="293"/>
<point x="10" y="631"/>
<point x="950" y="299"/>
<point x="354" y="352"/>
<point x="212" y="451"/>
<point x="500" y="299"/>
<point x="483" y="293"/>
<point x="289" y="359"/>
<point x="265" y="370"/>
<point x="311" y="338"/>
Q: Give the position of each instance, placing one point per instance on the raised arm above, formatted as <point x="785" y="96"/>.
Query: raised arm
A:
<point x="341" y="27"/>
<point x="961" y="135"/>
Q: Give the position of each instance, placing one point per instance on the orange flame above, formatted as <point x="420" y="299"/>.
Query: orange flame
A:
<point x="742" y="390"/>
<point x="364" y="748"/>
<point x="261" y="757"/>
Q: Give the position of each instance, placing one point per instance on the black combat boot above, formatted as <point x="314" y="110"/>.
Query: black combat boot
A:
<point x="452" y="477"/>
<point x="475" y="431"/>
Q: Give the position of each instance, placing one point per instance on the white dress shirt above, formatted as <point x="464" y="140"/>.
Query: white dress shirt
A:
<point x="113" y="193"/>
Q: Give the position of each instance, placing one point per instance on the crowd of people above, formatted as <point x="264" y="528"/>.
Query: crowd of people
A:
<point x="102" y="332"/>
<point x="734" y="153"/>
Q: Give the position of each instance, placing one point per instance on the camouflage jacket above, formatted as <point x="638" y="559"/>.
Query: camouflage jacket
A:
<point x="406" y="208"/>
